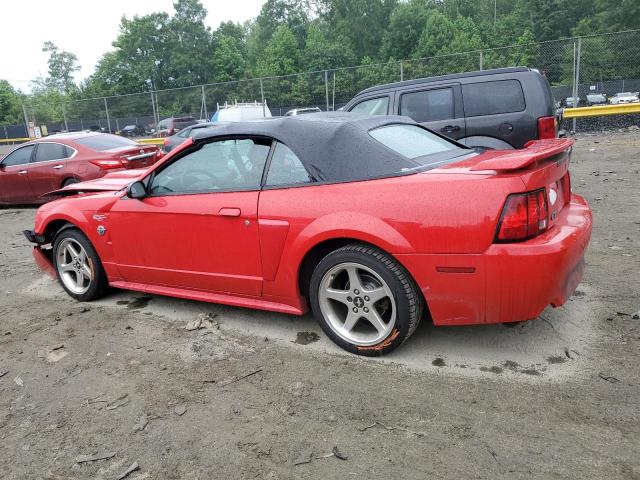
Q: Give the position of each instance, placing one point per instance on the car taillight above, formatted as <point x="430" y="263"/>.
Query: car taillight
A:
<point x="524" y="215"/>
<point x="107" y="164"/>
<point x="566" y="187"/>
<point x="547" y="127"/>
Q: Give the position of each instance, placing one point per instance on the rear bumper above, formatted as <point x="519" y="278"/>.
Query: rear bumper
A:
<point x="508" y="282"/>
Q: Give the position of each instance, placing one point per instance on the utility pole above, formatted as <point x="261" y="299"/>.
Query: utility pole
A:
<point x="264" y="112"/>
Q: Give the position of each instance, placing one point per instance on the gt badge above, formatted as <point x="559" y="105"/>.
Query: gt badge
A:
<point x="101" y="230"/>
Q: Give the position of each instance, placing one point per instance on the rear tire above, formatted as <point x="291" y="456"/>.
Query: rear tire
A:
<point x="69" y="181"/>
<point x="78" y="266"/>
<point x="364" y="300"/>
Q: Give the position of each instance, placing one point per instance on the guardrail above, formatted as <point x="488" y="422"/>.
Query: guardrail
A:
<point x="14" y="140"/>
<point x="598" y="110"/>
<point x="150" y="141"/>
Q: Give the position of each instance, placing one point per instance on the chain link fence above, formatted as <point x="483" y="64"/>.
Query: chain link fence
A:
<point x="607" y="63"/>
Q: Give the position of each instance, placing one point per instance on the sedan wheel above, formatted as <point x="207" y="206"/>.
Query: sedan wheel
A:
<point x="364" y="300"/>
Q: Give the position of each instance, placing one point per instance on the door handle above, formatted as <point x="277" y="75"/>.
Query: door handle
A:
<point x="58" y="167"/>
<point x="22" y="172"/>
<point x="450" y="128"/>
<point x="229" y="212"/>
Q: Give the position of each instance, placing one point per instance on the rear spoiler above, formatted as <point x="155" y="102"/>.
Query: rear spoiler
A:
<point x="534" y="151"/>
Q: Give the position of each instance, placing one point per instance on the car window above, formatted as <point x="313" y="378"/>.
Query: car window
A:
<point x="411" y="141"/>
<point x="50" y="151"/>
<point x="374" y="106"/>
<point x="492" y="98"/>
<point x="286" y="168"/>
<point x="105" y="141"/>
<point x="428" y="105"/>
<point x="223" y="165"/>
<point x="184" y="133"/>
<point x="19" y="157"/>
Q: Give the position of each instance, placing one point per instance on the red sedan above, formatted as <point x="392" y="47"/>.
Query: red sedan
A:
<point x="374" y="223"/>
<point x="35" y="168"/>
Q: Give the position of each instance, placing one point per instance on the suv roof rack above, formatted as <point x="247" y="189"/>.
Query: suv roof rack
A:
<point x="451" y="76"/>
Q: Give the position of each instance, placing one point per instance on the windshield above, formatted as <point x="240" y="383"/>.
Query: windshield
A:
<point x="104" y="142"/>
<point x="425" y="149"/>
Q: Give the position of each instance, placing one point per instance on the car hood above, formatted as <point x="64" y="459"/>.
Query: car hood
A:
<point x="111" y="182"/>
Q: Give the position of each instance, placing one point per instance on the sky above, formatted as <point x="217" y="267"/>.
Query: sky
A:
<point x="85" y="28"/>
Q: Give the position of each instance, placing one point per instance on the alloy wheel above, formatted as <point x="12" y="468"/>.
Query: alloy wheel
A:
<point x="357" y="304"/>
<point x="74" y="266"/>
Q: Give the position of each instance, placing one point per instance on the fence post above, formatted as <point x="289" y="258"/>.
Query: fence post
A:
<point x="326" y="89"/>
<point x="6" y="136"/>
<point x="106" y="109"/>
<point x="153" y="111"/>
<point x="481" y="61"/>
<point x="26" y="119"/>
<point x="204" y="103"/>
<point x="576" y="75"/>
<point x="401" y="71"/>
<point x="64" y="116"/>
<point x="333" y="100"/>
<point x="264" y="113"/>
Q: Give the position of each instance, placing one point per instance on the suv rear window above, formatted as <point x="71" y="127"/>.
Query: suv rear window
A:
<point x="105" y="142"/>
<point x="491" y="98"/>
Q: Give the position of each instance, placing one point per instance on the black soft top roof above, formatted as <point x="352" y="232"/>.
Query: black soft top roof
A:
<point x="334" y="147"/>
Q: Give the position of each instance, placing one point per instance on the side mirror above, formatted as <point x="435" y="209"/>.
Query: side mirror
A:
<point x="137" y="190"/>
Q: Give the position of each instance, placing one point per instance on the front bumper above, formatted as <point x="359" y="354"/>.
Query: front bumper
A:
<point x="33" y="237"/>
<point x="508" y="282"/>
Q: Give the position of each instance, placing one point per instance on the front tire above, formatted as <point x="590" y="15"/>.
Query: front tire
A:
<point x="78" y="266"/>
<point x="364" y="300"/>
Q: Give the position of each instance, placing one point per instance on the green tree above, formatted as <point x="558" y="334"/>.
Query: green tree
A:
<point x="405" y="27"/>
<point x="62" y="67"/>
<point x="10" y="104"/>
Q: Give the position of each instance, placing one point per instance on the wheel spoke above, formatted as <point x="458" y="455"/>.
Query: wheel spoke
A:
<point x="375" y="319"/>
<point x="338" y="295"/>
<point x="66" y="267"/>
<point x="351" y="320"/>
<point x="354" y="278"/>
<point x="86" y="270"/>
<point x="72" y="252"/>
<point x="376" y="294"/>
<point x="80" y="278"/>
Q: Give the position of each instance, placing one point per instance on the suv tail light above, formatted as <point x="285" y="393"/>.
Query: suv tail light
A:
<point x="547" y="127"/>
<point x="108" y="164"/>
<point x="524" y="215"/>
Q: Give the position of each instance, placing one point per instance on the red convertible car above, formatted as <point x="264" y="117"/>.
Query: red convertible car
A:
<point x="372" y="222"/>
<point x="35" y="168"/>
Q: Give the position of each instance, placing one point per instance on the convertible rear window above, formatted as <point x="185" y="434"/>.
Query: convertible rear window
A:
<point x="411" y="141"/>
<point x="105" y="141"/>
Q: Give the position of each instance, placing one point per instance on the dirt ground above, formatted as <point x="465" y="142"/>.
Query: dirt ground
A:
<point x="90" y="390"/>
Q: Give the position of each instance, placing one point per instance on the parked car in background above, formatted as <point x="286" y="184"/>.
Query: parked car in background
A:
<point x="624" y="97"/>
<point x="239" y="112"/>
<point x="571" y="102"/>
<point x="41" y="166"/>
<point x="133" y="131"/>
<point x="596" y="99"/>
<point x="302" y="111"/>
<point x="171" y="126"/>
<point x="373" y="223"/>
<point x="492" y="109"/>
<point x="173" y="141"/>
